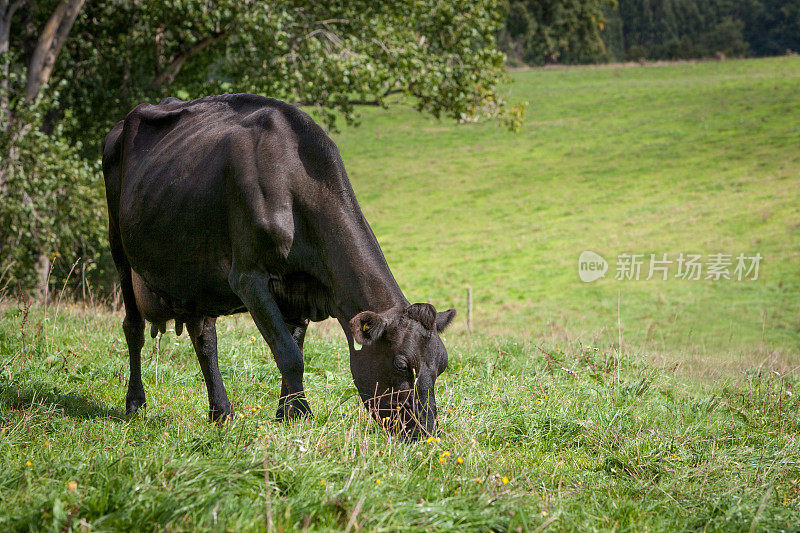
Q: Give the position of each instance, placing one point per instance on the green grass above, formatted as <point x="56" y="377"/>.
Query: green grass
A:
<point x="591" y="433"/>
<point x="695" y="158"/>
<point x="587" y="439"/>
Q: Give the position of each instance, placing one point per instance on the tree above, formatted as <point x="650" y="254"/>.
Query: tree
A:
<point x="555" y="31"/>
<point x="43" y="57"/>
<point x="771" y="27"/>
<point x="30" y="158"/>
<point x="327" y="55"/>
<point x="74" y="69"/>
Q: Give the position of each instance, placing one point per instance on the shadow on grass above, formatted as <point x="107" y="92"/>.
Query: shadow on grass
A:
<point x="21" y="396"/>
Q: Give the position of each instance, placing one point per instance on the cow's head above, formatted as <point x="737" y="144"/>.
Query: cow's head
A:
<point x="396" y="368"/>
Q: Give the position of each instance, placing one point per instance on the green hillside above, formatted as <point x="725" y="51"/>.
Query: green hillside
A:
<point x="695" y="158"/>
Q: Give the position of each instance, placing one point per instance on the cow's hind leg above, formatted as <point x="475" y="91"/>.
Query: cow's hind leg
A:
<point x="203" y="333"/>
<point x="253" y="289"/>
<point x="134" y="336"/>
<point x="132" y="325"/>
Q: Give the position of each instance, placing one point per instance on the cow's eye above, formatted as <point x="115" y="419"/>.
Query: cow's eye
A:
<point x="400" y="365"/>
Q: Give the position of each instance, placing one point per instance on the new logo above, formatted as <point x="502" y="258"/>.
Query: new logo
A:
<point x="591" y="266"/>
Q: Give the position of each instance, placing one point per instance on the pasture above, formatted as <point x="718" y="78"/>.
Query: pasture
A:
<point x="696" y="158"/>
<point x="571" y="406"/>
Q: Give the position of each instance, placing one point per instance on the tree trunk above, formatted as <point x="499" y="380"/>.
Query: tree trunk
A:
<point x="51" y="40"/>
<point x="53" y="36"/>
<point x="43" y="277"/>
<point x="7" y="11"/>
<point x="5" y="34"/>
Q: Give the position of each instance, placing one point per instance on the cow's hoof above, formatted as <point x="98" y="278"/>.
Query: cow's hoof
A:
<point x="293" y="409"/>
<point x="133" y="405"/>
<point x="410" y="434"/>
<point x="221" y="416"/>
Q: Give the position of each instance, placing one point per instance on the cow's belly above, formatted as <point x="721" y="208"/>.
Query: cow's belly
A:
<point x="180" y="276"/>
<point x="184" y="292"/>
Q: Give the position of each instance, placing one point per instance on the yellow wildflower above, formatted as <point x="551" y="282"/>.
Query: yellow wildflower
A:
<point x="72" y="486"/>
<point x="504" y="480"/>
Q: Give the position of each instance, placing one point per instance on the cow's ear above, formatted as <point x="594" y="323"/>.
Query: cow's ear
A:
<point x="444" y="318"/>
<point x="367" y="327"/>
<point x="425" y="314"/>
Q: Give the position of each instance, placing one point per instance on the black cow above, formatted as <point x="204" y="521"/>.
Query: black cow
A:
<point x="238" y="203"/>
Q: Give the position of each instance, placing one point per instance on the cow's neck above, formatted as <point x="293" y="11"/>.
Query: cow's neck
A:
<point x="360" y="279"/>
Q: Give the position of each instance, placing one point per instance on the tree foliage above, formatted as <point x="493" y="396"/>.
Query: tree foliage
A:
<point x="52" y="197"/>
<point x="680" y="29"/>
<point x="329" y="56"/>
<point x="554" y="31"/>
<point x="582" y="31"/>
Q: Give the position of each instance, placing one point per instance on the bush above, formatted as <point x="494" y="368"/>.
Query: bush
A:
<point x="51" y="198"/>
<point x="636" y="53"/>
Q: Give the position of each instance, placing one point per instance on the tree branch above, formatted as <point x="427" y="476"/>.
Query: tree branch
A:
<point x="167" y="76"/>
<point x="375" y="102"/>
<point x="14" y="6"/>
<point x="53" y="36"/>
<point x="6" y="14"/>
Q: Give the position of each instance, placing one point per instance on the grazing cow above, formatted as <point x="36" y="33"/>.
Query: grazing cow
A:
<point x="238" y="203"/>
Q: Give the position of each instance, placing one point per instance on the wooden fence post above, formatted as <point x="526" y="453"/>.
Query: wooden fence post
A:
<point x="469" y="309"/>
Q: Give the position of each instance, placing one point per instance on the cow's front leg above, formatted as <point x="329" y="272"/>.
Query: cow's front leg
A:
<point x="253" y="289"/>
<point x="298" y="330"/>
<point x="203" y="333"/>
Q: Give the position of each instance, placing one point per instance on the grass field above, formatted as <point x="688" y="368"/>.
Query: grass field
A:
<point x="696" y="158"/>
<point x="573" y="406"/>
<point x="568" y="439"/>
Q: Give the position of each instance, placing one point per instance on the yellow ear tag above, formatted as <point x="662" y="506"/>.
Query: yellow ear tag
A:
<point x="356" y="345"/>
<point x="364" y="326"/>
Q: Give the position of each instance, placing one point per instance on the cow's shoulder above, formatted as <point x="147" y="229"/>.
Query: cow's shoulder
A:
<point x="267" y="116"/>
